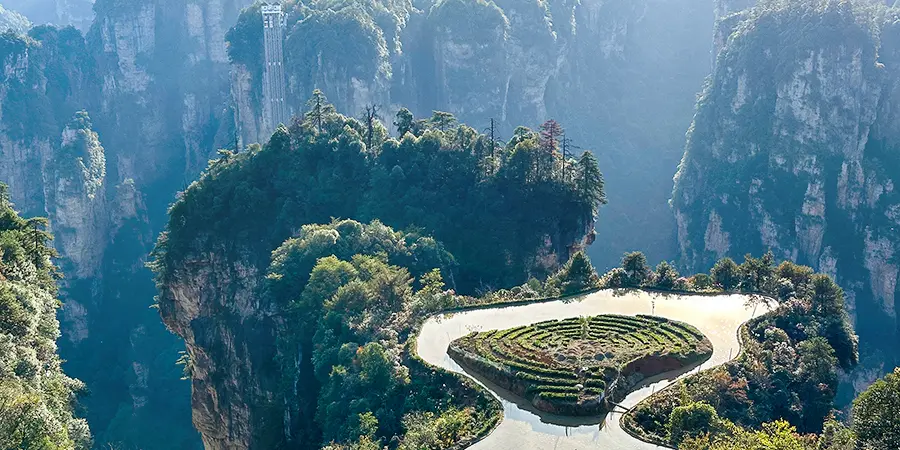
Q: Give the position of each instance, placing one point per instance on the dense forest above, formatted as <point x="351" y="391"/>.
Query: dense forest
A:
<point x="791" y="356"/>
<point x="437" y="175"/>
<point x="37" y="400"/>
<point x="332" y="308"/>
<point x="621" y="74"/>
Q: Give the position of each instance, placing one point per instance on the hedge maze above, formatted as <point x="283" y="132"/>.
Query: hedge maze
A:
<point x="579" y="366"/>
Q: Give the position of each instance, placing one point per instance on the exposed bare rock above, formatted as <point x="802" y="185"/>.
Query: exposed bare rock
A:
<point x="796" y="136"/>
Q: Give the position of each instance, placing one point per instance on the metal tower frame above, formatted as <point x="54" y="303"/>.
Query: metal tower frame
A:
<point x="275" y="108"/>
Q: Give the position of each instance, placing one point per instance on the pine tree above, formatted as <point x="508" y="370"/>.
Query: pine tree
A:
<point x="726" y="273"/>
<point x="636" y="268"/>
<point x="578" y="275"/>
<point x="319" y="109"/>
<point x="666" y="276"/>
<point x="404" y="121"/>
<point x="551" y="132"/>
<point x="590" y="181"/>
<point x="442" y="120"/>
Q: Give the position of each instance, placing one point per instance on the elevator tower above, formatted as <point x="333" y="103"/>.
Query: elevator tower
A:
<point x="274" y="106"/>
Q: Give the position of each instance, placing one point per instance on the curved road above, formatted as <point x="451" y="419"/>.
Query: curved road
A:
<point x="522" y="428"/>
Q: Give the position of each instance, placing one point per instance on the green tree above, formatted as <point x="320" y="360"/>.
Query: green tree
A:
<point x="692" y="420"/>
<point x="318" y="109"/>
<point x="799" y="276"/>
<point x="827" y="296"/>
<point x="38" y="249"/>
<point x="404" y="121"/>
<point x="577" y="275"/>
<point x="726" y="274"/>
<point x="13" y="317"/>
<point x="875" y="418"/>
<point x="817" y="373"/>
<point x="836" y="436"/>
<point x="778" y="435"/>
<point x="665" y="276"/>
<point x="442" y="120"/>
<point x="427" y="431"/>
<point x="589" y="181"/>
<point x="368" y="425"/>
<point x="326" y="278"/>
<point x="432" y="282"/>
<point x="636" y="268"/>
<point x="757" y="274"/>
<point x="702" y="281"/>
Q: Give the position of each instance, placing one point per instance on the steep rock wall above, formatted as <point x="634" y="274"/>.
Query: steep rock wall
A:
<point x="165" y="84"/>
<point x="792" y="150"/>
<point x="155" y="80"/>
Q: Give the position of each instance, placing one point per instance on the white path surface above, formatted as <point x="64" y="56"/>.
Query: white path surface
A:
<point x="718" y="317"/>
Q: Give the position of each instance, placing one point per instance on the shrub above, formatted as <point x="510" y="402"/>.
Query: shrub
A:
<point x="876" y="421"/>
<point x="13" y="319"/>
<point x="666" y="276"/>
<point x="692" y="420"/>
<point x="576" y="276"/>
<point x="726" y="274"/>
<point x="636" y="269"/>
<point x="615" y="279"/>
<point x="702" y="282"/>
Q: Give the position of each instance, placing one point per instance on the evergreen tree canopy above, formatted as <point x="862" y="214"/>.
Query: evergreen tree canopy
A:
<point x="577" y="275"/>
<point x="323" y="167"/>
<point x="875" y="413"/>
<point x="726" y="274"/>
<point x="590" y="181"/>
<point x="37" y="400"/>
<point x="636" y="268"/>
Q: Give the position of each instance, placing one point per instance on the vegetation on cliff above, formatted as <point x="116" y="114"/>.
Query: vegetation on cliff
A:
<point x="475" y="196"/>
<point x="36" y="398"/>
<point x="56" y="166"/>
<point x="793" y="148"/>
<point x="46" y="77"/>
<point x="577" y="366"/>
<point x="352" y="38"/>
<point x="353" y="293"/>
<point x="875" y="426"/>
<point x="789" y="366"/>
<point x="342" y="299"/>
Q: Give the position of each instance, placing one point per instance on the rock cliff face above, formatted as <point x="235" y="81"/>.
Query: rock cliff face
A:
<point x="231" y="360"/>
<point x="155" y="80"/>
<point x="74" y="178"/>
<point x="165" y="63"/>
<point x="793" y="148"/>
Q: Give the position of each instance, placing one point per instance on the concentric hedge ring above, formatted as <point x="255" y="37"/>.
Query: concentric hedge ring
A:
<point x="577" y="366"/>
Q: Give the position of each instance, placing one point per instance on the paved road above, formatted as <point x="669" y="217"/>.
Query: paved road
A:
<point x="522" y="428"/>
